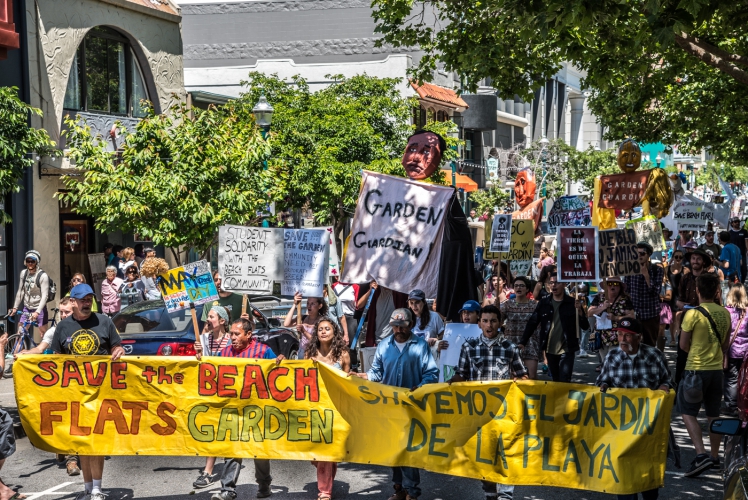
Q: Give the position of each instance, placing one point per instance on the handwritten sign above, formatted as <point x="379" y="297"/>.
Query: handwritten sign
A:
<point x="569" y="211"/>
<point x="648" y="230"/>
<point x="577" y="258"/>
<point x="693" y="215"/>
<point x="397" y="233"/>
<point x="618" y="255"/>
<point x="623" y="191"/>
<point x="250" y="258"/>
<point x="199" y="283"/>
<point x="306" y="261"/>
<point x="521" y="244"/>
<point x="520" y="267"/>
<point x="501" y="232"/>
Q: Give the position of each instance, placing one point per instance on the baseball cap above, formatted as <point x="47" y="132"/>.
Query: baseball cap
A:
<point x="417" y="294"/>
<point x="470" y="306"/>
<point x="400" y="317"/>
<point x="81" y="291"/>
<point x="629" y="325"/>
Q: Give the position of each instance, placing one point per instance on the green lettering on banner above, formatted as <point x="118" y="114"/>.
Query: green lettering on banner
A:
<point x="543" y="415"/>
<point x="592" y="455"/>
<point x="296" y="425"/>
<point x="547" y="456"/>
<point x="251" y="416"/>
<point x="228" y="422"/>
<point x="605" y="409"/>
<point x="592" y="412"/>
<point x="525" y="454"/>
<point x="608" y="466"/>
<point x="579" y="397"/>
<point x="528" y="406"/>
<point x="203" y="434"/>
<point x="434" y="440"/>
<point x="627" y="405"/>
<point x="322" y="428"/>
<point x="271" y="412"/>
<point x="442" y="405"/>
<point x="478" y="447"/>
<point x="572" y="457"/>
<point x="466" y="399"/>
<point x="415" y="423"/>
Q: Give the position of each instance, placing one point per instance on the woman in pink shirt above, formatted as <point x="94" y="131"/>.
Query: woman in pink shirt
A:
<point x="110" y="299"/>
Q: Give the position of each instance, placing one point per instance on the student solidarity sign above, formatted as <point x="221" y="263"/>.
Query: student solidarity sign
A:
<point x="526" y="433"/>
<point x="250" y="259"/>
<point x="396" y="234"/>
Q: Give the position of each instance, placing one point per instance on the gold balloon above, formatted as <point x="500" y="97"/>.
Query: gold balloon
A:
<point x="629" y="156"/>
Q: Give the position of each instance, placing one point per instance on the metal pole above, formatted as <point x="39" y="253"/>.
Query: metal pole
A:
<point x="454" y="173"/>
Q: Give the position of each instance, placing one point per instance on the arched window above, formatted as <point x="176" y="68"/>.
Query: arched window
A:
<point x="105" y="77"/>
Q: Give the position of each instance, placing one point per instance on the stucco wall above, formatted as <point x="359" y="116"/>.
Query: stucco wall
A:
<point x="55" y="30"/>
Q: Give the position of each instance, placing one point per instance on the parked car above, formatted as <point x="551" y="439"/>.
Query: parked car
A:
<point x="148" y="329"/>
<point x="735" y="431"/>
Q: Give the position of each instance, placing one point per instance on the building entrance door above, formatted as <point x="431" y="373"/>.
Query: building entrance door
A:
<point x="76" y="234"/>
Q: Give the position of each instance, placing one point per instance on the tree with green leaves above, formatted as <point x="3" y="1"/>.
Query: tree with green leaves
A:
<point x="709" y="175"/>
<point x="323" y="140"/>
<point x="674" y="71"/>
<point x="487" y="201"/>
<point x="177" y="178"/>
<point x="17" y="141"/>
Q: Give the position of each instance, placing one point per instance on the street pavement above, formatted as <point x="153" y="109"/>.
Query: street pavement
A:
<point x="40" y="477"/>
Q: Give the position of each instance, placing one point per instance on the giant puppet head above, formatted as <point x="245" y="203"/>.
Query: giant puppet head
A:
<point x="423" y="154"/>
<point x="629" y="156"/>
<point x="524" y="187"/>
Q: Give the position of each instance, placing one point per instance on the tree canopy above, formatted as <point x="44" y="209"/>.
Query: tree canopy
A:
<point x="17" y="140"/>
<point x="674" y="71"/>
<point x="177" y="179"/>
<point x="323" y="140"/>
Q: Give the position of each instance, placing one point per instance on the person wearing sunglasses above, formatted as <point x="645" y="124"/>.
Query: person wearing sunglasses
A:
<point x="77" y="279"/>
<point x="132" y="290"/>
<point x="33" y="293"/>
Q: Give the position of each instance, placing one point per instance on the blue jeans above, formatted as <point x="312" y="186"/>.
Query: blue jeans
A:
<point x="646" y="495"/>
<point x="561" y="366"/>
<point x="409" y="478"/>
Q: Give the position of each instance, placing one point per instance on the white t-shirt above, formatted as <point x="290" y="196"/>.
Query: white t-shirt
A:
<point x="49" y="335"/>
<point x="346" y="295"/>
<point x="431" y="330"/>
<point x="400" y="345"/>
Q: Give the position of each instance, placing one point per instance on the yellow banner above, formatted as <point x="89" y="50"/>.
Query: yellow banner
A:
<point x="526" y="433"/>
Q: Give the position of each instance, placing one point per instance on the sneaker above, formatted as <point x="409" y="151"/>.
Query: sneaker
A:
<point x="583" y="354"/>
<point x="204" y="480"/>
<point x="222" y="495"/>
<point x="73" y="469"/>
<point x="264" y="491"/>
<point x="701" y="463"/>
<point x="83" y="495"/>
<point x="99" y="495"/>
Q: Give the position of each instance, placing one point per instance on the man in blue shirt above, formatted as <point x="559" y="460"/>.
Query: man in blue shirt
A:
<point x="730" y="258"/>
<point x="403" y="360"/>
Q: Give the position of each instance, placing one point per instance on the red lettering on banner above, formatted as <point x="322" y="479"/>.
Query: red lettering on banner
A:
<point x="306" y="380"/>
<point x="226" y="374"/>
<point x="49" y="367"/>
<point x="47" y="418"/>
<point x="110" y="411"/>
<point x="75" y="428"/>
<point x="100" y="373"/>
<point x="136" y="407"/>
<point x="275" y="392"/>
<point x="171" y="424"/>
<point x="70" y="372"/>
<point x="118" y="377"/>
<point x="253" y="378"/>
<point x="206" y="385"/>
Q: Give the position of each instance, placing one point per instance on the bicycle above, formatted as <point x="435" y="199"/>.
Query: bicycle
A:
<point x="16" y="343"/>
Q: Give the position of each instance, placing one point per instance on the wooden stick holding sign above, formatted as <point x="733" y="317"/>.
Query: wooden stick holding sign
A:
<point x="298" y="314"/>
<point x="198" y="345"/>
<point x="244" y="304"/>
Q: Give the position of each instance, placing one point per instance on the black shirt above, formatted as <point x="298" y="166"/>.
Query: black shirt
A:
<point x="95" y="335"/>
<point x="738" y="238"/>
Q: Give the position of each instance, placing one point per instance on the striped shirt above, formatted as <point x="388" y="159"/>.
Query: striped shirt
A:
<point x="255" y="350"/>
<point x="219" y="344"/>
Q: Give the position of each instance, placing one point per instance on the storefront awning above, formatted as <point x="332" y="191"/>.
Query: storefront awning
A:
<point x="440" y="95"/>
<point x="461" y="181"/>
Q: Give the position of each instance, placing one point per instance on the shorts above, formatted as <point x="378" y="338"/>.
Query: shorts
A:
<point x="711" y="386"/>
<point x="7" y="436"/>
<point x="42" y="319"/>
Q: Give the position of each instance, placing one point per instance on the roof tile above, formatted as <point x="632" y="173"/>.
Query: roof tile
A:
<point x="431" y="91"/>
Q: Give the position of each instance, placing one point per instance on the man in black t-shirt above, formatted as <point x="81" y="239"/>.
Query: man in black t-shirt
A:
<point x="85" y="333"/>
<point x="738" y="236"/>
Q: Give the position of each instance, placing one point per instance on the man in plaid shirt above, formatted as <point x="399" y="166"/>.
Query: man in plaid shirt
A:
<point x="634" y="365"/>
<point x="644" y="290"/>
<point x="490" y="357"/>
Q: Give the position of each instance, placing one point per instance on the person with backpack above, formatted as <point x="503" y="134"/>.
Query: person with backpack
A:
<point x="35" y="289"/>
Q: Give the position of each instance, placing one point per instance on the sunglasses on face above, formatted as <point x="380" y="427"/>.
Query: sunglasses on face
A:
<point x="30" y="261"/>
<point x="77" y="280"/>
<point x="678" y="257"/>
<point x="642" y="253"/>
<point x="132" y="272"/>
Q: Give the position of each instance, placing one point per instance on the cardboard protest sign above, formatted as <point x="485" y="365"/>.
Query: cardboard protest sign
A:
<point x="569" y="211"/>
<point x="396" y="235"/>
<point x="520" y="267"/>
<point x="250" y="258"/>
<point x="455" y="334"/>
<point x="520" y="246"/>
<point x="577" y="254"/>
<point x="199" y="283"/>
<point x="520" y="433"/>
<point x="501" y="233"/>
<point x="306" y="261"/>
<point x="648" y="230"/>
<point x="623" y="191"/>
<point x="617" y="253"/>
<point x="97" y="263"/>
<point x="693" y="215"/>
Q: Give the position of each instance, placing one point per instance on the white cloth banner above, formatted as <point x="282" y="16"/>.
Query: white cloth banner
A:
<point x="396" y="235"/>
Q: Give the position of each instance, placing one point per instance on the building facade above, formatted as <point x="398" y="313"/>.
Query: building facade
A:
<point x="93" y="58"/>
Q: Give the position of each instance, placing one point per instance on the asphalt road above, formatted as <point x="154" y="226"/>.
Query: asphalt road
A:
<point x="38" y="475"/>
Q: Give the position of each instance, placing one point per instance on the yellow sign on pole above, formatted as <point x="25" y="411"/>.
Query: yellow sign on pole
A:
<point x="521" y="246"/>
<point x="526" y="433"/>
